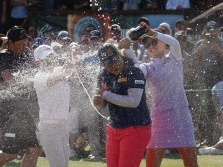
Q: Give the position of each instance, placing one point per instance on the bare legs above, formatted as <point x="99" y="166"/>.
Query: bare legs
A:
<point x="29" y="159"/>
<point x="5" y="158"/>
<point x="154" y="156"/>
<point x="31" y="156"/>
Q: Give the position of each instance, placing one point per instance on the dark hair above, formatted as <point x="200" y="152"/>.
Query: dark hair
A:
<point x="181" y="24"/>
<point x="144" y="19"/>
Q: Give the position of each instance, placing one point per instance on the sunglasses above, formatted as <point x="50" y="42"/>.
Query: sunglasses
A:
<point x="211" y="29"/>
<point x="147" y="44"/>
<point x="182" y="38"/>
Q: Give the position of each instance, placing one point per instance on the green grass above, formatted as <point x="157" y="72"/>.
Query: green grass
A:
<point x="168" y="161"/>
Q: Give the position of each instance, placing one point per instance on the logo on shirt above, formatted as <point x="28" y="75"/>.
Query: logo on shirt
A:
<point x="122" y="79"/>
<point x="139" y="82"/>
<point x="167" y="59"/>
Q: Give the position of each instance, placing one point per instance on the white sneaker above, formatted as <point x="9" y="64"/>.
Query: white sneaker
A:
<point x="204" y="151"/>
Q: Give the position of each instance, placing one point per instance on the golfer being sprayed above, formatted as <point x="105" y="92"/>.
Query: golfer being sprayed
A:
<point x="53" y="92"/>
<point x="122" y="88"/>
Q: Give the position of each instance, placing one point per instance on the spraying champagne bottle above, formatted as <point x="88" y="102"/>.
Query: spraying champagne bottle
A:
<point x="137" y="33"/>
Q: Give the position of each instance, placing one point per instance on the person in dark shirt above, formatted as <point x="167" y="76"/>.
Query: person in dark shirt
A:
<point x="3" y="17"/>
<point x="17" y="121"/>
<point x="122" y="88"/>
<point x="83" y="5"/>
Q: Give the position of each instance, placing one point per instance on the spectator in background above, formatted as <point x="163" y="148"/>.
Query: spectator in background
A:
<point x="217" y="97"/>
<point x="61" y="35"/>
<point x="32" y="32"/>
<point x="35" y="5"/>
<point x="79" y="108"/>
<point x="19" y="12"/>
<point x="143" y="20"/>
<point x="65" y="4"/>
<point x="48" y="5"/>
<point x="66" y="41"/>
<point x="177" y="4"/>
<point x="84" y="40"/>
<point x="153" y="4"/>
<point x="37" y="42"/>
<point x="190" y="78"/>
<point x="115" y="32"/>
<point x="208" y="56"/>
<point x="131" y="4"/>
<point x="84" y="5"/>
<point x="126" y="46"/>
<point x="3" y="16"/>
<point x="49" y="35"/>
<point x="143" y="56"/>
<point x="95" y="124"/>
<point x="181" y="25"/>
<point x="188" y="64"/>
<point x="116" y="4"/>
<point x="166" y="27"/>
<point x="3" y="41"/>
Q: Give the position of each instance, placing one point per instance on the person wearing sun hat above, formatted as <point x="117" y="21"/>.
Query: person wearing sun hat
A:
<point x="121" y="86"/>
<point x="166" y="27"/>
<point x="53" y="93"/>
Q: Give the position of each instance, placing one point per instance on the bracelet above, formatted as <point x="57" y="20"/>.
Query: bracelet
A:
<point x="155" y="34"/>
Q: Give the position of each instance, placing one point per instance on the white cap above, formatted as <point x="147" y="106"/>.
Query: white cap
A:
<point x="42" y="52"/>
<point x="63" y="33"/>
<point x="166" y="25"/>
<point x="74" y="45"/>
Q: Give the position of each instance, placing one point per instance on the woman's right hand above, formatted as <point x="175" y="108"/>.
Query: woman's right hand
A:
<point x="148" y="30"/>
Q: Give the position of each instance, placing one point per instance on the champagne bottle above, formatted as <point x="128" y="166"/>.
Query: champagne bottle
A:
<point x="137" y="33"/>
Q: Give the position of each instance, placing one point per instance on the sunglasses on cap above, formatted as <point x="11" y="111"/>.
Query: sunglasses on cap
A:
<point x="147" y="44"/>
<point x="211" y="29"/>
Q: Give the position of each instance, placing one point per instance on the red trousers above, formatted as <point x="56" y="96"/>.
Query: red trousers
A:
<point x="126" y="147"/>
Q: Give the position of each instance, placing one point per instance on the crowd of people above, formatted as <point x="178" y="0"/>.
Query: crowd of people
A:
<point x="158" y="90"/>
<point x="16" y="12"/>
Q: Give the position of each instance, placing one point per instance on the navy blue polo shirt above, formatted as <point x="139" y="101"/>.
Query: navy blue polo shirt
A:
<point x="131" y="77"/>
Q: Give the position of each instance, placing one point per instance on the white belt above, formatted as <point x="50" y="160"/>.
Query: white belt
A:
<point x="53" y="121"/>
<point x="10" y="135"/>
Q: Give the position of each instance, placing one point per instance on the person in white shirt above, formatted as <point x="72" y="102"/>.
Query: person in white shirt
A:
<point x="53" y="93"/>
<point x="177" y="4"/>
<point x="131" y="4"/>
